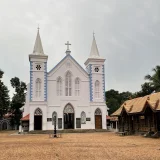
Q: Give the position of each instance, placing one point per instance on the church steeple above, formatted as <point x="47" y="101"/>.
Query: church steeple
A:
<point x="94" y="50"/>
<point x="95" y="68"/>
<point x="94" y="54"/>
<point x="38" y="49"/>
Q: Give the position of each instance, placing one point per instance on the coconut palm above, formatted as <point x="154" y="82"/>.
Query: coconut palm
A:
<point x="155" y="78"/>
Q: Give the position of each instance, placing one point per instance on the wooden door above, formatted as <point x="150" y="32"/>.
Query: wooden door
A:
<point x="98" y="121"/>
<point x="38" y="122"/>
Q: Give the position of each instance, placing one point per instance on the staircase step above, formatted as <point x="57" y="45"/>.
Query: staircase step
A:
<point x="68" y="131"/>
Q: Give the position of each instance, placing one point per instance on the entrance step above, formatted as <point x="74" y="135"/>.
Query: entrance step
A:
<point x="156" y="135"/>
<point x="148" y="134"/>
<point x="69" y="131"/>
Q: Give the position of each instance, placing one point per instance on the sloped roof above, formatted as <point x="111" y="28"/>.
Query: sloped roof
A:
<point x="25" y="118"/>
<point x="38" y="49"/>
<point x="94" y="49"/>
<point x="137" y="105"/>
<point x="112" y="118"/>
<point x="68" y="55"/>
<point x="108" y="117"/>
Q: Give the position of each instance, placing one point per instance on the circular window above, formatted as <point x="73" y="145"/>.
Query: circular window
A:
<point x="96" y="69"/>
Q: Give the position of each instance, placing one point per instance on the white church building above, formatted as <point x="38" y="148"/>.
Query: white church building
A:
<point x="72" y="95"/>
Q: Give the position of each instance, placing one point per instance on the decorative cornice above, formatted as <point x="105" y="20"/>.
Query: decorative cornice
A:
<point x="69" y="56"/>
<point x="94" y="60"/>
<point x="97" y="104"/>
<point x="38" y="56"/>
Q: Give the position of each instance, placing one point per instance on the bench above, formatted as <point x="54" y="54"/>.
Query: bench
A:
<point x="123" y="133"/>
<point x="59" y="135"/>
<point x="52" y="135"/>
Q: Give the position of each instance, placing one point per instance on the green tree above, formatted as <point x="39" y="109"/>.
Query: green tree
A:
<point x="155" y="78"/>
<point x="114" y="99"/>
<point x="113" y="105"/>
<point x="18" y="99"/>
<point x="4" y="97"/>
<point x="146" y="89"/>
<point x="125" y="96"/>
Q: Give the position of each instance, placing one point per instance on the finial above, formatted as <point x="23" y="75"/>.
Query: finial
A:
<point x="93" y="33"/>
<point x="68" y="44"/>
<point x="68" y="50"/>
<point x="38" y="27"/>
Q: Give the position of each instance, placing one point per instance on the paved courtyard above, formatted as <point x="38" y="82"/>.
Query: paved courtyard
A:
<point x="81" y="146"/>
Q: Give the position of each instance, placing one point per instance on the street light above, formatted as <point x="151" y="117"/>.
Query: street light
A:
<point x="55" y="130"/>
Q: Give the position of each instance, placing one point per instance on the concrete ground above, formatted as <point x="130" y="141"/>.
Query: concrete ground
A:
<point x="78" y="146"/>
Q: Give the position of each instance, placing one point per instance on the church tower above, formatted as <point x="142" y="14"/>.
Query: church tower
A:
<point x="38" y="72"/>
<point x="95" y="68"/>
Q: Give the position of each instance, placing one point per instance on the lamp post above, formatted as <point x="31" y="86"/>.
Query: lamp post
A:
<point x="55" y="130"/>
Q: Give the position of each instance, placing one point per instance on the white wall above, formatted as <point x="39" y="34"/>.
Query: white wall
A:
<point x="33" y="107"/>
<point x="83" y="99"/>
<point x="57" y="103"/>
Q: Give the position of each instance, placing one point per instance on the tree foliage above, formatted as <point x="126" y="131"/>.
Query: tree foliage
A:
<point x="114" y="99"/>
<point x="154" y="79"/>
<point x="18" y="99"/>
<point x="146" y="89"/>
<point x="4" y="97"/>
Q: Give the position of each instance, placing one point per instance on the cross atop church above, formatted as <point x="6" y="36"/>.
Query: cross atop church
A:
<point x="38" y="27"/>
<point x="93" y="33"/>
<point x="68" y="44"/>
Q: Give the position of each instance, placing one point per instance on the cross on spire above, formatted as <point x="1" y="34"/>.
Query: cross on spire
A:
<point x="93" y="33"/>
<point x="68" y="44"/>
<point x="38" y="27"/>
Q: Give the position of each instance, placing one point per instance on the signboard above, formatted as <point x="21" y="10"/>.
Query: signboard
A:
<point x="78" y="122"/>
<point x="60" y="123"/>
<point x="49" y="119"/>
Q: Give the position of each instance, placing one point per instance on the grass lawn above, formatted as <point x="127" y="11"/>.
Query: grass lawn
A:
<point x="81" y="146"/>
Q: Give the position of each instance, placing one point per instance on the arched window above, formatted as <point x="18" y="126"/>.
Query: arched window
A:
<point x="97" y="92"/>
<point x="77" y="87"/>
<point x="38" y="112"/>
<point x="54" y="117"/>
<point x="98" y="112"/>
<point x="38" y="87"/>
<point x="83" y="118"/>
<point x="68" y="85"/>
<point x="59" y="86"/>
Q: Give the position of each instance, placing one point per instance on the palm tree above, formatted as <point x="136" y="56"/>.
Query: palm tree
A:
<point x="155" y="78"/>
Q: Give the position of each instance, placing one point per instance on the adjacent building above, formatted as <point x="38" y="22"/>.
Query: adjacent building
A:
<point x="140" y="114"/>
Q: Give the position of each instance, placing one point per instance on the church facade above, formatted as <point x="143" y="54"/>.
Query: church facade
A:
<point x="67" y="96"/>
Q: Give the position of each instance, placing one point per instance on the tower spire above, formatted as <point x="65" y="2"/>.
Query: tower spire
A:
<point x="94" y="50"/>
<point x="38" y="49"/>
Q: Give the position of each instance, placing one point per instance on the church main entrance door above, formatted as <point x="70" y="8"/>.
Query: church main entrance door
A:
<point x="68" y="117"/>
<point x="38" y="119"/>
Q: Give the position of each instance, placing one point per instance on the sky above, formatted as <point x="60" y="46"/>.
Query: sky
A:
<point x="127" y="34"/>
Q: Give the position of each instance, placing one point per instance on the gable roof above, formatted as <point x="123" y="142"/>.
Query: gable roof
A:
<point x="68" y="55"/>
<point x="137" y="105"/>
